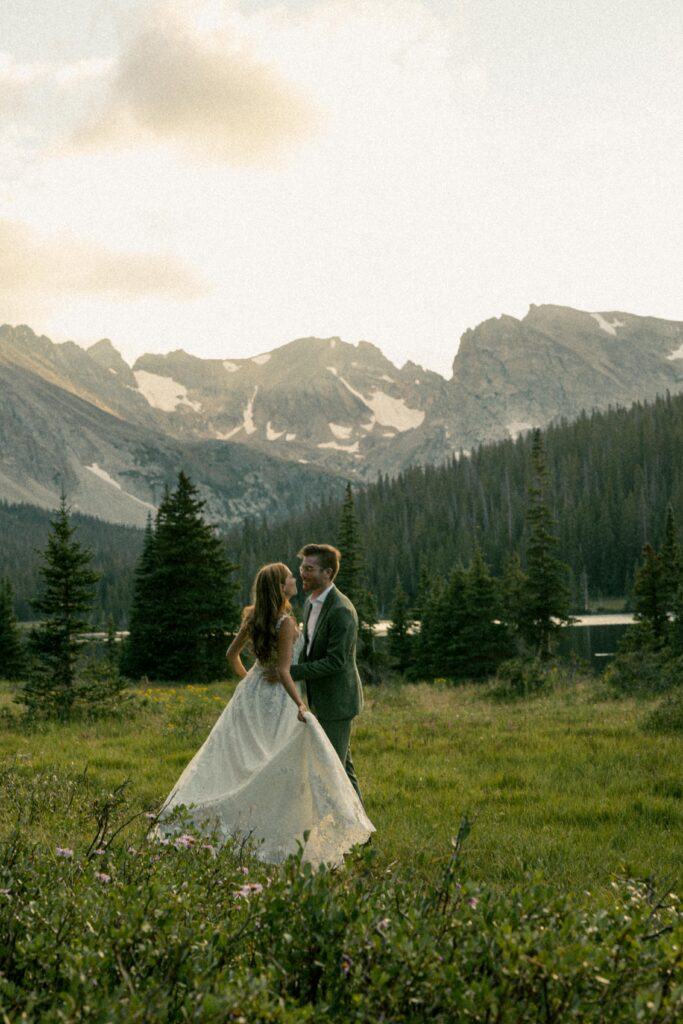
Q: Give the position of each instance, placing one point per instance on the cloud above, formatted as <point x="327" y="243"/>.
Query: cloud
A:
<point x="58" y="265"/>
<point x="207" y="95"/>
<point x="17" y="81"/>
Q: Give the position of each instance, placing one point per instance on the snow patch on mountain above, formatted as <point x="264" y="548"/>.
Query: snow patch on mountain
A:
<point x="163" y="392"/>
<point x="352" y="448"/>
<point x="388" y="411"/>
<point x="272" y="435"/>
<point x="340" y="432"/>
<point x="249" y="425"/>
<point x="333" y="369"/>
<point x="678" y="354"/>
<point x="260" y="360"/>
<point x="230" y="367"/>
<point x="605" y="325"/>
<point x="103" y="475"/>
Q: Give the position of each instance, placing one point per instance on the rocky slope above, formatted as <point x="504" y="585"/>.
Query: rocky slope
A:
<point x="51" y="439"/>
<point x="310" y="412"/>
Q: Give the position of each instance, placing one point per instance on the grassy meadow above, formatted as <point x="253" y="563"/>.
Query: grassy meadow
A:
<point x="566" y="784"/>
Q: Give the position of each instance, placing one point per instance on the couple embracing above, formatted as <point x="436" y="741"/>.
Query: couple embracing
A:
<point x="274" y="768"/>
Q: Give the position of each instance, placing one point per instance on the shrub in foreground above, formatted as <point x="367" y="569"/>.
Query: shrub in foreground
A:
<point x="124" y="929"/>
<point x="668" y="715"/>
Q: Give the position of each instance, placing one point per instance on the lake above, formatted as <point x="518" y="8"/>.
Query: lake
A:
<point x="592" y="638"/>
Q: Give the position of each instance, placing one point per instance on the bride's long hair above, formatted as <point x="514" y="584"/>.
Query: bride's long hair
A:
<point x="268" y="604"/>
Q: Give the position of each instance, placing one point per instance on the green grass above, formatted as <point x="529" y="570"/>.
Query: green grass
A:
<point x="566" y="784"/>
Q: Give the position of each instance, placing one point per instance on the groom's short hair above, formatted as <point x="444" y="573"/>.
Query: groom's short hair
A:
<point x="328" y="557"/>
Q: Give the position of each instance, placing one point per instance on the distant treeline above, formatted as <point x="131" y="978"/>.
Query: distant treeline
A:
<point x="116" y="549"/>
<point x="611" y="473"/>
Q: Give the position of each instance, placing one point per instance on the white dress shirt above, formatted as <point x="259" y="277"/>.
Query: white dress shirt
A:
<point x="316" y="608"/>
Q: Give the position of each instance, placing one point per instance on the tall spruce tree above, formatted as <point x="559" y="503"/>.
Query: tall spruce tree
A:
<point x="184" y="605"/>
<point x="12" y="653"/>
<point x="352" y="579"/>
<point x="67" y="598"/>
<point x="144" y="643"/>
<point x="671" y="559"/>
<point x="485" y="638"/>
<point x="546" y="599"/>
<point x="650" y="595"/>
<point x="400" y="640"/>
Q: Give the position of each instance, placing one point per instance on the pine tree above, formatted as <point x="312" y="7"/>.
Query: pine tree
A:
<point x="484" y="637"/>
<point x="435" y="631"/>
<point x="184" y="605"/>
<point x="671" y="559"/>
<point x="513" y="591"/>
<point x="546" y="598"/>
<point x="352" y="581"/>
<point x="650" y="593"/>
<point x="67" y="598"/>
<point x="400" y="640"/>
<point x="144" y="643"/>
<point x="351" y="578"/>
<point x="12" y="654"/>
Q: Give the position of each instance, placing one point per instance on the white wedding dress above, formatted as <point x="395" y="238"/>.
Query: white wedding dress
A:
<point x="264" y="774"/>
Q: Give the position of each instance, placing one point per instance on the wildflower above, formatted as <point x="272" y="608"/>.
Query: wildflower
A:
<point x="212" y="849"/>
<point x="102" y="876"/>
<point x="473" y="902"/>
<point x="243" y="870"/>
<point x="151" y="815"/>
<point x="247" y="890"/>
<point x="184" y="841"/>
<point x="65" y="852"/>
<point x="100" y="851"/>
<point x="346" y="964"/>
<point x="383" y="924"/>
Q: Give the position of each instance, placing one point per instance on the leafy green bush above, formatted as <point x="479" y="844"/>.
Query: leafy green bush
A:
<point x="668" y="715"/>
<point x="524" y="677"/>
<point x="645" y="673"/>
<point x="120" y="928"/>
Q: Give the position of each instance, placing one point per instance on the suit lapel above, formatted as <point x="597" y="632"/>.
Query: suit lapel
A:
<point x="307" y="615"/>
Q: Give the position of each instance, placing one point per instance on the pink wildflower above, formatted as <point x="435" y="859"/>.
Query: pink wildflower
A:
<point x="247" y="890"/>
<point x="102" y="876"/>
<point x="65" y="852"/>
<point x="473" y="902"/>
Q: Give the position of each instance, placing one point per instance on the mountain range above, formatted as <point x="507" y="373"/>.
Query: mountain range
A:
<point x="264" y="435"/>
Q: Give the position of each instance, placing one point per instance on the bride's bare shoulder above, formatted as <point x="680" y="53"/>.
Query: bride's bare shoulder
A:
<point x="287" y="626"/>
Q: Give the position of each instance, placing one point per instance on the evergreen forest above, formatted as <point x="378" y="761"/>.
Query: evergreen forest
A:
<point x="611" y="477"/>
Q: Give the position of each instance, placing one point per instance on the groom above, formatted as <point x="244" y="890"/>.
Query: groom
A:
<point x="327" y="663"/>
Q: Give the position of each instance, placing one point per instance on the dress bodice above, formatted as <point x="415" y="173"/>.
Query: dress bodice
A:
<point x="297" y="646"/>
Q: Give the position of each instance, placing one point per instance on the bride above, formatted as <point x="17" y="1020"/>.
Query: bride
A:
<point x="267" y="770"/>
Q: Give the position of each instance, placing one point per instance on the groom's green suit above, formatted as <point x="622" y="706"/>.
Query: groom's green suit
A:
<point x="335" y="693"/>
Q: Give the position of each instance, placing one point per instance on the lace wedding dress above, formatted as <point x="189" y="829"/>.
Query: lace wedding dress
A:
<point x="262" y="773"/>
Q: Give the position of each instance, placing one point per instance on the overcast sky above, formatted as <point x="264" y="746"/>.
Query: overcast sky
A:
<point x="226" y="176"/>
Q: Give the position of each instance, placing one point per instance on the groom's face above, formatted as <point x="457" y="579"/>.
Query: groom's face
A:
<point x="313" y="577"/>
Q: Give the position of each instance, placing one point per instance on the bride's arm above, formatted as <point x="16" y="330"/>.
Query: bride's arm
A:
<point x="285" y="643"/>
<point x="233" y="653"/>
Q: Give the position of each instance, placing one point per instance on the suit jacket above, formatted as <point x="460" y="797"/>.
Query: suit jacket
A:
<point x="329" y="668"/>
